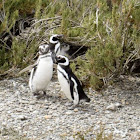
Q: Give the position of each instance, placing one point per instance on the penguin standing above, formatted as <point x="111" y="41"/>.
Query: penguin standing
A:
<point x="60" y="46"/>
<point x="69" y="82"/>
<point x="42" y="72"/>
<point x="54" y="44"/>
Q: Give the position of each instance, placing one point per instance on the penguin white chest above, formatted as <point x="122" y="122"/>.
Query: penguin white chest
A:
<point x="63" y="80"/>
<point x="43" y="74"/>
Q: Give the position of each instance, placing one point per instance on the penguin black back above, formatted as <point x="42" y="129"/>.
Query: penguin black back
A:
<point x="71" y="78"/>
<point x="71" y="75"/>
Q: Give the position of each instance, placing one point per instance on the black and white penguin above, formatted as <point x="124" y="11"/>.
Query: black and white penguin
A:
<point x="69" y="83"/>
<point x="54" y="44"/>
<point x="42" y="72"/>
<point x="60" y="46"/>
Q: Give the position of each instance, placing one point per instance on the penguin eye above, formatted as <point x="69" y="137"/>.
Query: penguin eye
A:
<point x="54" y="38"/>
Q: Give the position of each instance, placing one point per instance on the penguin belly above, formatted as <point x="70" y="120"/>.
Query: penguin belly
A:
<point x="65" y="86"/>
<point x="43" y="74"/>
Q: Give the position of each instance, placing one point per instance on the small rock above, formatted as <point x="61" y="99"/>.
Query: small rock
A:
<point x="131" y="129"/>
<point x="138" y="94"/>
<point x="107" y="112"/>
<point x="130" y="113"/>
<point x="63" y="134"/>
<point x="19" y="110"/>
<point x="113" y="107"/>
<point x="23" y="87"/>
<point x="118" y="105"/>
<point x="32" y="102"/>
<point x="127" y="103"/>
<point x="117" y="121"/>
<point x="68" y="104"/>
<point x="23" y="102"/>
<point x="57" y="85"/>
<point x="123" y="101"/>
<point x="69" y="112"/>
<point x="76" y="110"/>
<point x="22" y="117"/>
<point x="53" y="107"/>
<point x="14" y="84"/>
<point x="48" y="116"/>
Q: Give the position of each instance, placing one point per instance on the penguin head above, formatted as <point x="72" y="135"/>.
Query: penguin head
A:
<point x="54" y="39"/>
<point x="43" y="49"/>
<point x="55" y="43"/>
<point x="62" y="60"/>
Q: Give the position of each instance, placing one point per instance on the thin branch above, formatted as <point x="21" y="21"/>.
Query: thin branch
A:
<point x="85" y="13"/>
<point x="41" y="20"/>
<point x="3" y="8"/>
<point x="5" y="44"/>
<point x="96" y="21"/>
<point x="130" y="57"/>
<point x="82" y="47"/>
<point x="108" y="29"/>
<point x="38" y="29"/>
<point x="4" y="14"/>
<point x="1" y="16"/>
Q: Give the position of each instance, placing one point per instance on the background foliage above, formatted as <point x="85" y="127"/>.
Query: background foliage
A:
<point x="111" y="28"/>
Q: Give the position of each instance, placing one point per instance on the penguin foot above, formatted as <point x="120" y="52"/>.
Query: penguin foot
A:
<point x="46" y="96"/>
<point x="85" y="101"/>
<point x="69" y="104"/>
<point x="73" y="107"/>
<point x="36" y="94"/>
<point x="44" y="92"/>
<point x="40" y="96"/>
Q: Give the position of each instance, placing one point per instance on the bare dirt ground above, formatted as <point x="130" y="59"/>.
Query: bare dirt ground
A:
<point x="116" y="111"/>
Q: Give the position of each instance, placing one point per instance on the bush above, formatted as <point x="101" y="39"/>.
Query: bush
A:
<point x="116" y="39"/>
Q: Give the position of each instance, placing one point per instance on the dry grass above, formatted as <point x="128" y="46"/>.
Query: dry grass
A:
<point x="11" y="134"/>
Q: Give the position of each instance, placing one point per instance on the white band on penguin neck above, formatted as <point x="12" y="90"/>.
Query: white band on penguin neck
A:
<point x="45" y="55"/>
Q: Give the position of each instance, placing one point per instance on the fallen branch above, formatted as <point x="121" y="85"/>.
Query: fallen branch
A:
<point x="28" y="68"/>
<point x="130" y="57"/>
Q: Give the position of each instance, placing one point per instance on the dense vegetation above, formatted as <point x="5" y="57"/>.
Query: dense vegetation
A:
<point x="110" y="27"/>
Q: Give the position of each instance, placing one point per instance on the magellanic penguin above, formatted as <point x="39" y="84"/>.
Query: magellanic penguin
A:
<point x="60" y="46"/>
<point x="54" y="44"/>
<point x="42" y="72"/>
<point x="69" y="83"/>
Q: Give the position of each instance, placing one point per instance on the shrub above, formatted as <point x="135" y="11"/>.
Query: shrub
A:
<point x="116" y="39"/>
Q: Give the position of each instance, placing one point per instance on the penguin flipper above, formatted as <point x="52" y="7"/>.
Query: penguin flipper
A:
<point x="75" y="91"/>
<point x="72" y="89"/>
<point x="31" y="77"/>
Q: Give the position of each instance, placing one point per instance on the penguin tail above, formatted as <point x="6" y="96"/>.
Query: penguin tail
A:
<point x="86" y="99"/>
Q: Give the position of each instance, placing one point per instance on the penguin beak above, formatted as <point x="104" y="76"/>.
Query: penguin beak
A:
<point x="60" y="36"/>
<point x="56" y="59"/>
